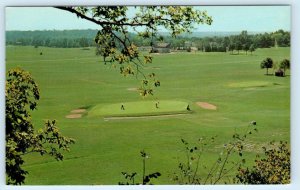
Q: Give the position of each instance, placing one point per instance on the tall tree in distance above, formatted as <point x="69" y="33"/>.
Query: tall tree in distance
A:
<point x="266" y="64"/>
<point x="284" y="64"/>
<point x="252" y="48"/>
<point x="238" y="46"/>
<point x="245" y="40"/>
<point x="231" y="47"/>
<point x="113" y="36"/>
<point x="246" y="47"/>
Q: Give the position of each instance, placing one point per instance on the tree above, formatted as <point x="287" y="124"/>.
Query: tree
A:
<point x="245" y="40"/>
<point x="83" y="42"/>
<point x="231" y="47"/>
<point x="265" y="40"/>
<point x="238" y="46"/>
<point x="284" y="64"/>
<point x="274" y="168"/>
<point x="266" y="63"/>
<point x="117" y="47"/>
<point x="282" y="38"/>
<point x="252" y="48"/>
<point x="21" y="95"/>
<point x="246" y="47"/>
<point x="226" y="42"/>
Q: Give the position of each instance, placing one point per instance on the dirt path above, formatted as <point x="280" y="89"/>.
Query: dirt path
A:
<point x="206" y="105"/>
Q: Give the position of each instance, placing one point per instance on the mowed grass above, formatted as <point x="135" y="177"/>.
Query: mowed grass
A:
<point x="73" y="78"/>
<point x="139" y="108"/>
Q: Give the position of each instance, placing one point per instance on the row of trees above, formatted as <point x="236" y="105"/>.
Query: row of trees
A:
<point x="52" y="38"/>
<point x="68" y="39"/>
<point x="282" y="66"/>
<point x="243" y="41"/>
<point x="54" y="42"/>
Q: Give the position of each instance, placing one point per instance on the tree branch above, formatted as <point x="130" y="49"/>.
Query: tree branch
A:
<point x="101" y="23"/>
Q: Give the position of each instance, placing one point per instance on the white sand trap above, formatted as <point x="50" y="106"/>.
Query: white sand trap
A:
<point x="74" y="116"/>
<point x="206" y="105"/>
<point x="78" y="111"/>
<point x="133" y="89"/>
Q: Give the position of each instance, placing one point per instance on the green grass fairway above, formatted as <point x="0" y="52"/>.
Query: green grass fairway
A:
<point x="73" y="78"/>
<point x="139" y="108"/>
<point x="250" y="84"/>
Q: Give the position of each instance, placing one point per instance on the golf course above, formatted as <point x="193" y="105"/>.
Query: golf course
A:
<point x="201" y="95"/>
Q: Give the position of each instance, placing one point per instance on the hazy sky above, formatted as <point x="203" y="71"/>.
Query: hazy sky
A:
<point x="225" y="18"/>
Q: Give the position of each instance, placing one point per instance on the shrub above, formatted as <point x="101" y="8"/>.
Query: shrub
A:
<point x="274" y="168"/>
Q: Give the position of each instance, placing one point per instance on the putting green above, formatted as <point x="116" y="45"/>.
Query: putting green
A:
<point x="139" y="108"/>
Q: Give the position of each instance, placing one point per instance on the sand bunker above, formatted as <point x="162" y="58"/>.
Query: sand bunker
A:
<point x="132" y="89"/>
<point x="206" y="105"/>
<point x="74" y="116"/>
<point x="77" y="113"/>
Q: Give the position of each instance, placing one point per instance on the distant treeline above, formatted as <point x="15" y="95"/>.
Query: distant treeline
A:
<point x="243" y="41"/>
<point x="52" y="38"/>
<point x="85" y="38"/>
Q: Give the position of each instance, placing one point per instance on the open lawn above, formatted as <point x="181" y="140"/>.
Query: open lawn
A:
<point x="70" y="79"/>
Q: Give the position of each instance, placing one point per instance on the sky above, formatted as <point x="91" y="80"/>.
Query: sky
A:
<point x="225" y="18"/>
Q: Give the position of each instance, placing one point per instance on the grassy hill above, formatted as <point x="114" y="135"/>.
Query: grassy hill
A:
<point x="73" y="78"/>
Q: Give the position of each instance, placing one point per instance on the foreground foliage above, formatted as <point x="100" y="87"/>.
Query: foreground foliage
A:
<point x="223" y="166"/>
<point x="273" y="168"/>
<point x="21" y="95"/>
<point x="146" y="178"/>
